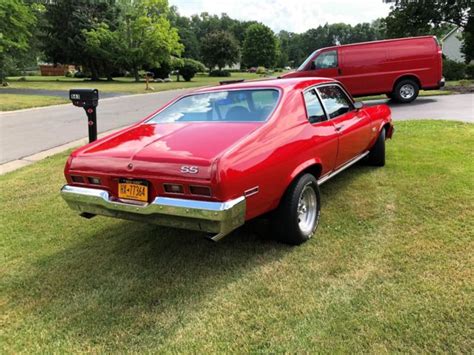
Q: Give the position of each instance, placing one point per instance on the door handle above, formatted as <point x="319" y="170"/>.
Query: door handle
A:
<point x="338" y="128"/>
<point x="339" y="71"/>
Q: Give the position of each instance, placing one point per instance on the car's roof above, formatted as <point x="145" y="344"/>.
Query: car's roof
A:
<point x="284" y="84"/>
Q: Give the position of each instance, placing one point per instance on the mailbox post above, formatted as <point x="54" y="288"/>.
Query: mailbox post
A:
<point x="88" y="99"/>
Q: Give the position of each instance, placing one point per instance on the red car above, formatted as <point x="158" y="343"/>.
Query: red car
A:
<point x="396" y="67"/>
<point x="215" y="158"/>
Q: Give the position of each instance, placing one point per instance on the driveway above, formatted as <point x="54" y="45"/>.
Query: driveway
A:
<point x="447" y="107"/>
<point x="30" y="131"/>
<point x="27" y="132"/>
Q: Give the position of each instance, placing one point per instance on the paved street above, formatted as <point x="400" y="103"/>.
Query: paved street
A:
<point x="31" y="131"/>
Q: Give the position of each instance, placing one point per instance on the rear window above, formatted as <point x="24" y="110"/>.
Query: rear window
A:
<point x="226" y="106"/>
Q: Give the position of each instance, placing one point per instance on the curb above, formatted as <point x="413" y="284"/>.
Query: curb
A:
<point x="30" y="159"/>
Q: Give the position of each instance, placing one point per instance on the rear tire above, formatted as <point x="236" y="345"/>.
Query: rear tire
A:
<point x="377" y="153"/>
<point x="297" y="217"/>
<point x="406" y="91"/>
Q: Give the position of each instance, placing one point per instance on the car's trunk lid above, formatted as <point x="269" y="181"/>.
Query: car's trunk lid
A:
<point x="163" y="149"/>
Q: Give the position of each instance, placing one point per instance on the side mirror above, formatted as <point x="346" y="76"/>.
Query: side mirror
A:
<point x="358" y="105"/>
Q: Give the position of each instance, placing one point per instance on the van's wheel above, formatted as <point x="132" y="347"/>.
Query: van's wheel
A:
<point x="406" y="91"/>
<point x="297" y="217"/>
<point x="377" y="153"/>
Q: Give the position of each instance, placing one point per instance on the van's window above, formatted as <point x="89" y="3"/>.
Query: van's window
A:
<point x="313" y="107"/>
<point x="326" y="60"/>
<point x="230" y="106"/>
<point x="335" y="100"/>
<point x="306" y="61"/>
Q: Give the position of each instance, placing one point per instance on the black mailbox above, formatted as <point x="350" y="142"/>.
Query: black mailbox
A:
<point x="84" y="97"/>
<point x="89" y="100"/>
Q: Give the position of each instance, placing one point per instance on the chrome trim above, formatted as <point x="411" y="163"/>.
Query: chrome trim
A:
<point x="326" y="177"/>
<point x="220" y="218"/>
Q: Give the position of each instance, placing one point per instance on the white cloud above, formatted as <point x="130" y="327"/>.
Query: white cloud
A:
<point x="295" y="16"/>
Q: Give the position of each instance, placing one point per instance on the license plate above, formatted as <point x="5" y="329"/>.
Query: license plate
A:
<point x="133" y="190"/>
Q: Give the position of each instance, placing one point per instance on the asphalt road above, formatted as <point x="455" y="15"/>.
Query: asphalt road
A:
<point x="27" y="132"/>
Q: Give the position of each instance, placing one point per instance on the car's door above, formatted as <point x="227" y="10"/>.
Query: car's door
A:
<point x="324" y="138"/>
<point x="352" y="125"/>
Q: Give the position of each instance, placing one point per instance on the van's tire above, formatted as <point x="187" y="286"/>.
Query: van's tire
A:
<point x="376" y="155"/>
<point x="297" y="217"/>
<point x="406" y="91"/>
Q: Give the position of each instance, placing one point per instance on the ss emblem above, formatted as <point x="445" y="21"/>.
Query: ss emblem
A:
<point x="189" y="169"/>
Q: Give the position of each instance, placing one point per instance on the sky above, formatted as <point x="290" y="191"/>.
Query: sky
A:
<point x="291" y="15"/>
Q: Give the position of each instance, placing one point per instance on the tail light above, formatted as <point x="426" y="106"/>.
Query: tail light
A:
<point x="94" y="180"/>
<point x="173" y="188"/>
<point x="77" y="179"/>
<point x="200" y="190"/>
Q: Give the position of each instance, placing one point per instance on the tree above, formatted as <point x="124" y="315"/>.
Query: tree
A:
<point x="146" y="35"/>
<point x="468" y="45"/>
<point x="15" y="32"/>
<point x="64" y="33"/>
<point x="143" y="38"/>
<point x="103" y="45"/>
<point x="415" y="18"/>
<point x="259" y="46"/>
<point x="187" y="34"/>
<point x="219" y="49"/>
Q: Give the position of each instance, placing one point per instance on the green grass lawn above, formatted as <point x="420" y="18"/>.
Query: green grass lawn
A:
<point x="465" y="82"/>
<point x="390" y="269"/>
<point x="123" y="85"/>
<point x="10" y="102"/>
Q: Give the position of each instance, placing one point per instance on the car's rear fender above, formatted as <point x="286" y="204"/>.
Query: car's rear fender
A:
<point x="312" y="166"/>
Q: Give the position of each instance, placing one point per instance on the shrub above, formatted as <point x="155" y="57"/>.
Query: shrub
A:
<point x="453" y="70"/>
<point x="69" y="74"/>
<point x="163" y="71"/>
<point x="220" y="73"/>
<point x="190" y="67"/>
<point x="261" y="70"/>
<point x="79" y="75"/>
<point x="470" y="71"/>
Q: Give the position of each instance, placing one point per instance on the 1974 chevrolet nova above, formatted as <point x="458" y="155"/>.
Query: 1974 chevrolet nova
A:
<point x="215" y="158"/>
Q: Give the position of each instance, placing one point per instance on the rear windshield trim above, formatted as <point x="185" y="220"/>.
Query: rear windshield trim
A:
<point x="223" y="89"/>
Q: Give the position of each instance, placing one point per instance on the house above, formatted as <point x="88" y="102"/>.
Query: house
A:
<point x="452" y="44"/>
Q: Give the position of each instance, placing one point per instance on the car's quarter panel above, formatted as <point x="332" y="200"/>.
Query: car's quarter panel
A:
<point x="379" y="115"/>
<point x="276" y="154"/>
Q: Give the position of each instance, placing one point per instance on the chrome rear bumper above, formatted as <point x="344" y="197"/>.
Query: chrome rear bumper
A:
<point x="220" y="218"/>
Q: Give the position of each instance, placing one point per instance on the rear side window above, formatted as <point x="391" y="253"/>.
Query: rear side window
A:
<point x="335" y="100"/>
<point x="326" y="60"/>
<point x="313" y="107"/>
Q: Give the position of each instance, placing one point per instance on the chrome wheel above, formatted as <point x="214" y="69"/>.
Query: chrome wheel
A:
<point x="407" y="91"/>
<point x="307" y="210"/>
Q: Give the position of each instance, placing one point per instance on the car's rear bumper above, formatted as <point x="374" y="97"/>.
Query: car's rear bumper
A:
<point x="219" y="218"/>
